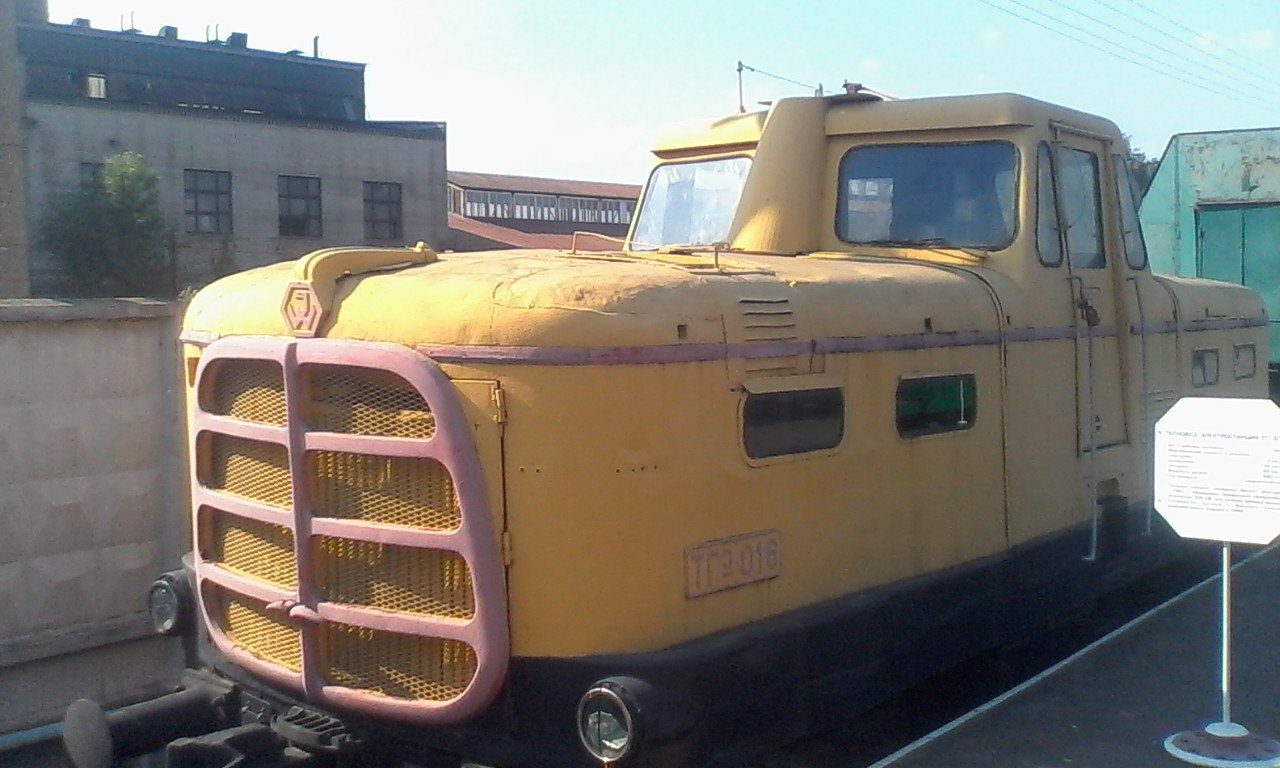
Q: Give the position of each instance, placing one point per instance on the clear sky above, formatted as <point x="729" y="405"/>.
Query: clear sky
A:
<point x="580" y="88"/>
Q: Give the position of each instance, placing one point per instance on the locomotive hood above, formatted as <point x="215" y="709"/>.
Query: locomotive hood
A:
<point x="558" y="299"/>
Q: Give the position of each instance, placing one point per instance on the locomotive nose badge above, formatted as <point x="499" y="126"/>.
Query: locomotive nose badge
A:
<point x="302" y="309"/>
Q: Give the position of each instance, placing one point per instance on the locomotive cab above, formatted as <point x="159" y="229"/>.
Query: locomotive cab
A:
<point x="868" y="391"/>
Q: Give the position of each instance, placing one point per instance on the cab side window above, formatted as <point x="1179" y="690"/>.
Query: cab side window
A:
<point x="1135" y="251"/>
<point x="1081" y="209"/>
<point x="1048" y="239"/>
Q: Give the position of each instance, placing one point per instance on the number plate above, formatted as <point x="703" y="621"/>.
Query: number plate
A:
<point x="721" y="564"/>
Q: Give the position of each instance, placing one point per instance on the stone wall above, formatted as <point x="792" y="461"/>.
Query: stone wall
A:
<point x="92" y="501"/>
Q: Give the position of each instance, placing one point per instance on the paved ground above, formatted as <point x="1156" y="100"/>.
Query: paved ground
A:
<point x="1114" y="705"/>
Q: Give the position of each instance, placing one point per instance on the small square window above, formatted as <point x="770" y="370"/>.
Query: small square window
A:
<point x="95" y="85"/>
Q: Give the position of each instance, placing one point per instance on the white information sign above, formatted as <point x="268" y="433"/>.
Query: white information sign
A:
<point x="1217" y="470"/>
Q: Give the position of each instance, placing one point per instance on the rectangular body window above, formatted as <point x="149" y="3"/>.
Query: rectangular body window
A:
<point x="299" y="198"/>
<point x="382" y="211"/>
<point x="1081" y="211"/>
<point x="929" y="195"/>
<point x="1204" y="367"/>
<point x="781" y="423"/>
<point x="1246" y="361"/>
<point x="936" y="404"/>
<point x="207" y="201"/>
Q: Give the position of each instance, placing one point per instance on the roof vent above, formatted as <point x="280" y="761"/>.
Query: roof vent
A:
<point x="81" y="22"/>
<point x="169" y="33"/>
<point x="237" y="40"/>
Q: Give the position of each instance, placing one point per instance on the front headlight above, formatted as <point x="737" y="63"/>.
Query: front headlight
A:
<point x="170" y="604"/>
<point x="606" y="724"/>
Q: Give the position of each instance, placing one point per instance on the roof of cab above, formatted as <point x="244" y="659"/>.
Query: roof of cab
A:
<point x="846" y="115"/>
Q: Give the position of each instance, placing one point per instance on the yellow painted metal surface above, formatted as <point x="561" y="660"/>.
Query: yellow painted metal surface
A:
<point x="603" y="476"/>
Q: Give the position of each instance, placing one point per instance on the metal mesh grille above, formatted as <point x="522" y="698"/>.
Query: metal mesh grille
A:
<point x="248" y="390"/>
<point x="247" y="625"/>
<point x="258" y="550"/>
<point x="249" y="468"/>
<point x="415" y="492"/>
<point x="429" y="582"/>
<point x="365" y="401"/>
<point x="402" y="666"/>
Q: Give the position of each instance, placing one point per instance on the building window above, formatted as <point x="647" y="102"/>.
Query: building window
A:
<point x="780" y="423"/>
<point x="299" y="198"/>
<point x="483" y="204"/>
<point x="90" y="175"/>
<point x="936" y="404"/>
<point x="382" y="211"/>
<point x="207" y="196"/>
<point x="527" y="205"/>
<point x="455" y="200"/>
<point x="95" y="85"/>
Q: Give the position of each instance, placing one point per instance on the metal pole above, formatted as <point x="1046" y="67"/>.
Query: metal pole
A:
<point x="1226" y="632"/>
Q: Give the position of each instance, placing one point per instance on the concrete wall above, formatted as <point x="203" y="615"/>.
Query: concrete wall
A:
<point x="92" y="501"/>
<point x="256" y="151"/>
<point x="13" y="186"/>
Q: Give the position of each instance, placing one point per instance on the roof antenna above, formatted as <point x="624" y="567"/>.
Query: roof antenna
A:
<point x="742" y="107"/>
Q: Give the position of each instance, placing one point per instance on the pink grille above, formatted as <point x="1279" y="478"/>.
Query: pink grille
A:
<point x="470" y="646"/>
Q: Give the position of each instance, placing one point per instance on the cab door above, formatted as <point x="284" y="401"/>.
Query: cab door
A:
<point x="1098" y="324"/>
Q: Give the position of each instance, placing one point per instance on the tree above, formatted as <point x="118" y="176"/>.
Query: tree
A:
<point x="1141" y="167"/>
<point x="110" y="238"/>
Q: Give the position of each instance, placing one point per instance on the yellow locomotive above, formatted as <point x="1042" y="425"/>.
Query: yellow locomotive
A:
<point x="869" y="389"/>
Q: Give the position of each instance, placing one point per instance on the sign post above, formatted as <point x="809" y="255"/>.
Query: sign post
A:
<point x="1217" y="477"/>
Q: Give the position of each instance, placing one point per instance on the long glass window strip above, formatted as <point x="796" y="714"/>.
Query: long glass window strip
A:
<point x="207" y="201"/>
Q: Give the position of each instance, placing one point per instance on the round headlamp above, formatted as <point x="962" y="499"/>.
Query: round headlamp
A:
<point x="607" y="723"/>
<point x="170" y="604"/>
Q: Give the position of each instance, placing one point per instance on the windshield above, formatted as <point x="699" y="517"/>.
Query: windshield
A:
<point x="689" y="203"/>
<point x="935" y="195"/>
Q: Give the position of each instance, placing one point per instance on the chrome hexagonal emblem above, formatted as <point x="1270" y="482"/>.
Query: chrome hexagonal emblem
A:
<point x="302" y="309"/>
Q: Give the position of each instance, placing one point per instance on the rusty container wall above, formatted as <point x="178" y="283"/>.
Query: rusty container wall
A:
<point x="92" y="501"/>
<point x="1213" y="210"/>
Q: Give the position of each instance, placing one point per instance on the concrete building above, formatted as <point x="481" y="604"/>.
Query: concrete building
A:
<point x="261" y="156"/>
<point x="14" y="267"/>
<point x="1213" y="210"/>
<point x="489" y="210"/>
